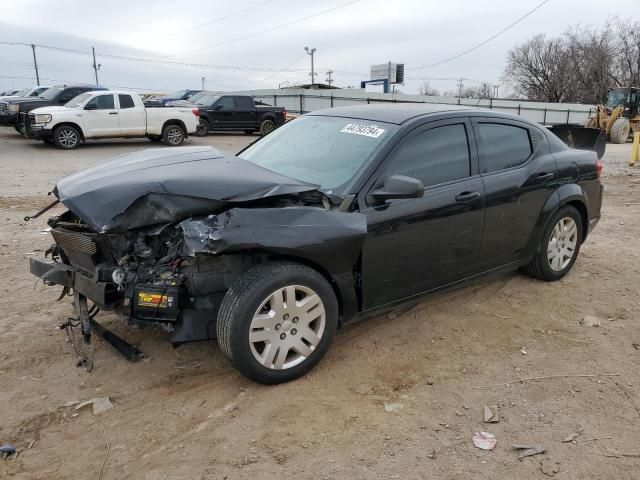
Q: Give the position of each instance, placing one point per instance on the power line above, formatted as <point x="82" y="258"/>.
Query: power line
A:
<point x="215" y="20"/>
<point x="283" y="25"/>
<point x="483" y="43"/>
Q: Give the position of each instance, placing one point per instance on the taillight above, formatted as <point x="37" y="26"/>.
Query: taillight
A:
<point x="598" y="168"/>
<point x="196" y="112"/>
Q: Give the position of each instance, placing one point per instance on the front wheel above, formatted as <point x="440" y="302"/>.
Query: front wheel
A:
<point x="66" y="137"/>
<point x="277" y="322"/>
<point x="173" y="135"/>
<point x="620" y="130"/>
<point x="203" y="128"/>
<point x="559" y="247"/>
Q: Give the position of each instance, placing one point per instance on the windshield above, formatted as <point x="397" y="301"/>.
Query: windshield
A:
<point x="51" y="93"/>
<point x="207" y="100"/>
<point x="77" y="101"/>
<point x="617" y="97"/>
<point x="177" y="94"/>
<point x="22" y="93"/>
<point x="327" y="151"/>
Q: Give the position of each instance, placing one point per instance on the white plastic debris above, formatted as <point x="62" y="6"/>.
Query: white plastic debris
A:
<point x="490" y="414"/>
<point x="484" y="440"/>
<point x="392" y="407"/>
<point x="100" y="405"/>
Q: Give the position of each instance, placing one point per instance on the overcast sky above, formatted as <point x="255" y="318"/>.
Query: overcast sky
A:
<point x="348" y="40"/>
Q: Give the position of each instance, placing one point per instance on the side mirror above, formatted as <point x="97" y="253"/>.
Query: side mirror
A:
<point x="91" y="106"/>
<point x="218" y="107"/>
<point x="399" y="186"/>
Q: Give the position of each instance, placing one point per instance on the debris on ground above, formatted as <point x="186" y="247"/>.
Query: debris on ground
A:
<point x="570" y="438"/>
<point x="590" y="321"/>
<point x="523" y="350"/>
<point x="636" y="345"/>
<point x="490" y="414"/>
<point x="549" y="466"/>
<point x="100" y="405"/>
<point x="528" y="450"/>
<point x="6" y="451"/>
<point x="484" y="440"/>
<point x="392" y="407"/>
<point x="71" y="403"/>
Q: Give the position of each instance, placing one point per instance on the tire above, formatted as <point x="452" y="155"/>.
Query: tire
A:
<point x="267" y="126"/>
<point x="620" y="130"/>
<point x="203" y="128"/>
<point x="173" y="135"/>
<point x="66" y="137"/>
<point x="289" y="354"/>
<point x="550" y="264"/>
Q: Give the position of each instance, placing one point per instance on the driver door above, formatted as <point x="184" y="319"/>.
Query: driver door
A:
<point x="419" y="244"/>
<point x="223" y="114"/>
<point x="100" y="117"/>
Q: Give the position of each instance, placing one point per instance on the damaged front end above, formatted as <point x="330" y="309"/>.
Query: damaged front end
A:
<point x="164" y="257"/>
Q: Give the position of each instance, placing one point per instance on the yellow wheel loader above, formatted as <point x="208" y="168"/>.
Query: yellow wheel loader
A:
<point x="620" y="116"/>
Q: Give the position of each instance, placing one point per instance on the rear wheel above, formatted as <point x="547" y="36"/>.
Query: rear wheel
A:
<point x="267" y="126"/>
<point x="66" y="137"/>
<point x="277" y="321"/>
<point x="620" y="130"/>
<point x="559" y="247"/>
<point x="173" y="135"/>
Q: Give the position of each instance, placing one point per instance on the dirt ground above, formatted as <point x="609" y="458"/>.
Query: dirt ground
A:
<point x="186" y="414"/>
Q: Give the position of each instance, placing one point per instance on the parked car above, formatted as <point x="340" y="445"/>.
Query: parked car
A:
<point x="339" y="215"/>
<point x="237" y="112"/>
<point x="22" y="94"/>
<point x="179" y="95"/>
<point x="190" y="101"/>
<point x="109" y="114"/>
<point x="15" y="112"/>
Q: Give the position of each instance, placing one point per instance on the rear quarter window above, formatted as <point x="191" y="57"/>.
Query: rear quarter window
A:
<point x="503" y="146"/>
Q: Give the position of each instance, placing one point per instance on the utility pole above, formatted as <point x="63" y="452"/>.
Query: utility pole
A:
<point x="329" y="79"/>
<point x="311" y="51"/>
<point x="203" y="79"/>
<point x="96" y="66"/>
<point x="35" y="64"/>
<point x="460" y="87"/>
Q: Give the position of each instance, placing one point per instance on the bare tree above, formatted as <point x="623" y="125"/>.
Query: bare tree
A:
<point x="425" y="89"/>
<point x="579" y="66"/>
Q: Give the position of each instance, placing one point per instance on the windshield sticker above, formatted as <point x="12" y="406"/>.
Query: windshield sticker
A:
<point x="366" y="130"/>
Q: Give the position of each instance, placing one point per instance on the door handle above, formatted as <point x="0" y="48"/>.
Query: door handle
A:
<point x="465" y="197"/>
<point x="113" y="113"/>
<point x="543" y="177"/>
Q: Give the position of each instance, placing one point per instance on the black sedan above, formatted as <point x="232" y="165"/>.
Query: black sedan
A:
<point x="338" y="215"/>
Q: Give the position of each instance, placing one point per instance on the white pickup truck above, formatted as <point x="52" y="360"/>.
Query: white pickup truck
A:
<point x="110" y="114"/>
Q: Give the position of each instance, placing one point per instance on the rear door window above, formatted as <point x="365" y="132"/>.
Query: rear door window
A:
<point x="503" y="146"/>
<point x="126" y="101"/>
<point x="244" y="104"/>
<point x="435" y="156"/>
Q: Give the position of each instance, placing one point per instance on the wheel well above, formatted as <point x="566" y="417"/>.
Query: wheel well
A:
<point x="584" y="216"/>
<point x="179" y="123"/>
<point x="268" y="116"/>
<point x="70" y="124"/>
<point x="258" y="257"/>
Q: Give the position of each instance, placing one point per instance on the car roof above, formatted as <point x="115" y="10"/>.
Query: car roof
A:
<point x="400" y="113"/>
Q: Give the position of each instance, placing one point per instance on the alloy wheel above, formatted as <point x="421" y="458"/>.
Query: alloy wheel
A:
<point x="174" y="136"/>
<point x="287" y="327"/>
<point x="68" y="138"/>
<point x="562" y="244"/>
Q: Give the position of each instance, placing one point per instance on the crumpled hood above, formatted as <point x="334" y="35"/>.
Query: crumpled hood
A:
<point x="167" y="185"/>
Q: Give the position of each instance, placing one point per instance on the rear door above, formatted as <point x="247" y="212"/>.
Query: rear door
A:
<point x="246" y="112"/>
<point x="223" y="114"/>
<point x="519" y="175"/>
<point x="133" y="120"/>
<point x="100" y="117"/>
<point x="416" y="245"/>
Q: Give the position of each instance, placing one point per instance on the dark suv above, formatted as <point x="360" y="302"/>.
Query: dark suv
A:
<point x="336" y="216"/>
<point x="58" y="95"/>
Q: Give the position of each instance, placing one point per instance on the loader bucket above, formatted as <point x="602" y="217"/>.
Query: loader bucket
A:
<point x="583" y="138"/>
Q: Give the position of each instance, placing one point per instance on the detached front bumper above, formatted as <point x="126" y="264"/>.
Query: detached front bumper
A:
<point x="103" y="294"/>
